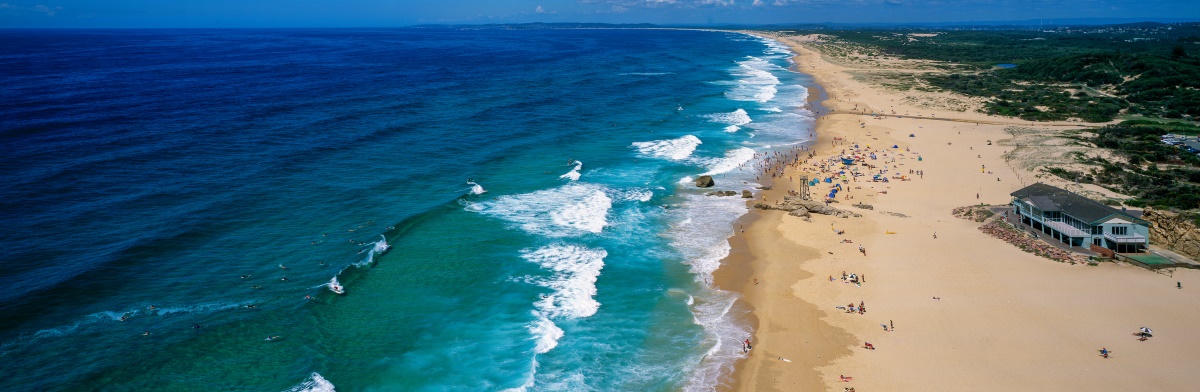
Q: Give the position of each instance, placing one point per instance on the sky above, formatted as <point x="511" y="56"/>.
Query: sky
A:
<point x="398" y="13"/>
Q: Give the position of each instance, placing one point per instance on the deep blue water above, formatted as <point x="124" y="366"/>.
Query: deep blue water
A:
<point x="167" y="181"/>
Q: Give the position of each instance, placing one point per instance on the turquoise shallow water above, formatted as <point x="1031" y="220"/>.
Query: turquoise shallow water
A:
<point x="168" y="181"/>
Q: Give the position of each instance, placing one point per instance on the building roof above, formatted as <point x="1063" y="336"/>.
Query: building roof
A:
<point x="1051" y="198"/>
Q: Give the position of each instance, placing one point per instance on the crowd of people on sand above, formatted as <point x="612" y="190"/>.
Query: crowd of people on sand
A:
<point x="856" y="163"/>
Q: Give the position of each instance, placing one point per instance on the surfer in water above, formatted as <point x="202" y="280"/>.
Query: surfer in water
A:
<point x="271" y="338"/>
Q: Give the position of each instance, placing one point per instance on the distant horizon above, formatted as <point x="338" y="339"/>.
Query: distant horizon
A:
<point x="1065" y="22"/>
<point x="389" y="13"/>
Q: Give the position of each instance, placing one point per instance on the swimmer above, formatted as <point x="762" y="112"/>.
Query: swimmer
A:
<point x="282" y="267"/>
<point x="256" y="287"/>
<point x="124" y="317"/>
<point x="147" y="333"/>
<point x="271" y="338"/>
<point x="152" y="307"/>
<point x="197" y="326"/>
<point x="283" y="279"/>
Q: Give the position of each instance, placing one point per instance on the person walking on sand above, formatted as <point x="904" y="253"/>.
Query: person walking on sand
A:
<point x="1104" y="352"/>
<point x="863" y="250"/>
<point x="746" y="346"/>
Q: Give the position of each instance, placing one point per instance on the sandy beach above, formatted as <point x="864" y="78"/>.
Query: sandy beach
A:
<point x="948" y="307"/>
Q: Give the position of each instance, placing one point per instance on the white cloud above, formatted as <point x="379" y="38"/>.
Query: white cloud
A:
<point x="49" y="11"/>
<point x="757" y="3"/>
<point x="540" y="10"/>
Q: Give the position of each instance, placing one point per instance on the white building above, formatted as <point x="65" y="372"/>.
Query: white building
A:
<point x="1078" y="221"/>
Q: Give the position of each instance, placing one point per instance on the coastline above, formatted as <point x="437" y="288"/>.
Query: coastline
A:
<point x="748" y="258"/>
<point x="917" y="254"/>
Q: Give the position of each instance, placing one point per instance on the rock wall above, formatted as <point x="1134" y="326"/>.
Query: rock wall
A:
<point x="1174" y="231"/>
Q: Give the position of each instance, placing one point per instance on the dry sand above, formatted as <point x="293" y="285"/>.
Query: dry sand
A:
<point x="1007" y="320"/>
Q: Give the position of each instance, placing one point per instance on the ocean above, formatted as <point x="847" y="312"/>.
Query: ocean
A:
<point x="505" y="209"/>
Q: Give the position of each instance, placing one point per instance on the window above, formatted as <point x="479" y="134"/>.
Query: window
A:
<point x="1120" y="230"/>
<point x="1097" y="230"/>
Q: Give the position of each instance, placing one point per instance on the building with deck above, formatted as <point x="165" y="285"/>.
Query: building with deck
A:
<point x="1078" y="221"/>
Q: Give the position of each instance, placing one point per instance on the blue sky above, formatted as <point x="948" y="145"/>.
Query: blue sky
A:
<point x="390" y="13"/>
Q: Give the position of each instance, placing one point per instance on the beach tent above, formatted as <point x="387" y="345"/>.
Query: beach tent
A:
<point x="895" y="146"/>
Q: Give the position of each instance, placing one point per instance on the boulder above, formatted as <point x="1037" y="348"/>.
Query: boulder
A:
<point x="705" y="182"/>
<point x="864" y="206"/>
<point x="746" y="194"/>
<point x="722" y="193"/>
<point x="800" y="212"/>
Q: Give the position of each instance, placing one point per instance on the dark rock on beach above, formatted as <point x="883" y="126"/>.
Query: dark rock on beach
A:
<point x="746" y="194"/>
<point x="804" y="208"/>
<point x="705" y="182"/>
<point x="721" y="193"/>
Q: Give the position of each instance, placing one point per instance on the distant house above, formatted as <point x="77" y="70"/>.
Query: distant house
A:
<point x="1079" y="221"/>
<point x="1192" y="146"/>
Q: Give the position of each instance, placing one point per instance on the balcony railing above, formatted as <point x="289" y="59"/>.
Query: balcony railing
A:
<point x="1070" y="231"/>
<point x="1126" y="239"/>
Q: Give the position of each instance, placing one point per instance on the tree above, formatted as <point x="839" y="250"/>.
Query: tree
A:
<point x="1178" y="52"/>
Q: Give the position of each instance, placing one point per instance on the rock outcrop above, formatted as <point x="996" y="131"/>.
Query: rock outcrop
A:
<point x="705" y="182"/>
<point x="804" y="208"/>
<point x="721" y="193"/>
<point x="1174" y="231"/>
<point x="864" y="206"/>
<point x="746" y="194"/>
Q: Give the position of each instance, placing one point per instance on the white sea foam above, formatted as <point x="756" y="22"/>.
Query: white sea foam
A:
<point x="529" y="377"/>
<point x="633" y="194"/>
<point x="314" y="383"/>
<point x="754" y="80"/>
<point x="717" y="313"/>
<point x="574" y="174"/>
<point x="702" y="240"/>
<point x="377" y="248"/>
<point x="737" y="117"/>
<point x="575" y="270"/>
<point x="545" y="334"/>
<point x="645" y="73"/>
<point x="476" y="189"/>
<point x="733" y="158"/>
<point x="732" y="128"/>
<point x="569" y="210"/>
<point x="673" y="149"/>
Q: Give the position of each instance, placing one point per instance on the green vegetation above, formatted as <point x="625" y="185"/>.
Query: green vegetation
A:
<point x="1095" y="74"/>
<point x="1156" y="174"/>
